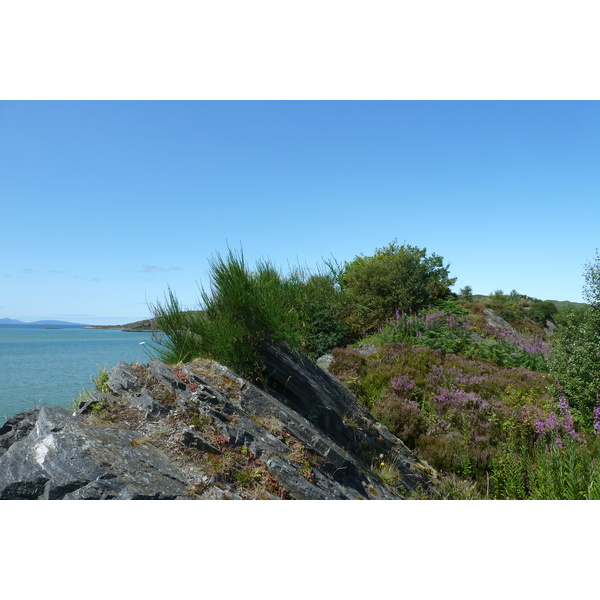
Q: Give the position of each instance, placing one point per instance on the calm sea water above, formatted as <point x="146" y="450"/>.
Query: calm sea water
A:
<point x="51" y="366"/>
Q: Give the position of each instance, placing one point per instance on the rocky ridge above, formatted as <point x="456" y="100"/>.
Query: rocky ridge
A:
<point x="201" y="431"/>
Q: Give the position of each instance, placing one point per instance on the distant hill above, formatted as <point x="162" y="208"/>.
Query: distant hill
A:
<point x="568" y="305"/>
<point x="43" y="323"/>
<point x="50" y="323"/>
<point x="560" y="304"/>
<point x="145" y="325"/>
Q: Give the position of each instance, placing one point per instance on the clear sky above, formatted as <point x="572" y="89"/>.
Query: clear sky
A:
<point x="103" y="205"/>
<point x="107" y="204"/>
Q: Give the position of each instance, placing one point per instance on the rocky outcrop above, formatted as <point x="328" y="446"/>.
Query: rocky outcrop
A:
<point x="199" y="430"/>
<point x="496" y="321"/>
<point x="61" y="457"/>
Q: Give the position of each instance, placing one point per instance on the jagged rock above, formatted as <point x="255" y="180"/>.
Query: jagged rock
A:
<point x="303" y="435"/>
<point x="171" y="382"/>
<point x="62" y="458"/>
<point x="17" y="427"/>
<point x="153" y="409"/>
<point x="122" y="380"/>
<point x="96" y="398"/>
<point x="192" y="439"/>
<point x="339" y="417"/>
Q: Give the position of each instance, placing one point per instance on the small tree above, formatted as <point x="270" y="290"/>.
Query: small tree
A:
<point x="396" y="277"/>
<point x="575" y="359"/>
<point x="591" y="288"/>
<point x="466" y="293"/>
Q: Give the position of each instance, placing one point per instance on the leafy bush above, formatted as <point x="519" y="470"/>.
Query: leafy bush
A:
<point x="575" y="364"/>
<point x="319" y="301"/>
<point x="396" y="277"/>
<point x="540" y="312"/>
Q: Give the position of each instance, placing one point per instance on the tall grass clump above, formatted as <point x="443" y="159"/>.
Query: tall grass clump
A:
<point x="181" y="342"/>
<point x="555" y="465"/>
<point x="244" y="309"/>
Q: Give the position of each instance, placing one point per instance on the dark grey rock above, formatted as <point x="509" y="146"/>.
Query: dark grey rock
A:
<point x="335" y="413"/>
<point x="298" y="486"/>
<point x="62" y="458"/>
<point x="171" y="382"/>
<point x="121" y="380"/>
<point x="152" y="408"/>
<point x="192" y="439"/>
<point x="17" y="427"/>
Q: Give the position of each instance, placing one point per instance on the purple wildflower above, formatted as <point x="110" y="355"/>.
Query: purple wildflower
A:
<point x="597" y="418"/>
<point x="550" y="424"/>
<point x="566" y="413"/>
<point x="403" y="384"/>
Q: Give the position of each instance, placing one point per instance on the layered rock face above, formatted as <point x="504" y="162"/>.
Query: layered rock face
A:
<point x="201" y="431"/>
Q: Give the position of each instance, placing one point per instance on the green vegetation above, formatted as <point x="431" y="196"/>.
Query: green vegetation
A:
<point x="100" y="384"/>
<point x="478" y="386"/>
<point x="395" y="278"/>
<point x="454" y="329"/>
<point x="245" y="309"/>
<point x="313" y="313"/>
<point x="575" y="358"/>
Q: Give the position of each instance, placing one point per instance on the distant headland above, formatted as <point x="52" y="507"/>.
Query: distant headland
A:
<point x="144" y="325"/>
<point x="45" y="323"/>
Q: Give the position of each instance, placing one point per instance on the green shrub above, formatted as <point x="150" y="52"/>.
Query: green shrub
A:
<point x="575" y="364"/>
<point x="319" y="303"/>
<point x="395" y="278"/>
<point x="540" y="312"/>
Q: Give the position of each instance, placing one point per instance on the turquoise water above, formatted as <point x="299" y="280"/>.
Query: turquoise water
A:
<point x="51" y="366"/>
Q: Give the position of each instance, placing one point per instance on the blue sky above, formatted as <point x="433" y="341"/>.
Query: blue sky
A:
<point x="107" y="204"/>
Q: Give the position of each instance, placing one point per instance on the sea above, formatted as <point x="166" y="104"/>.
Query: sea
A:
<point x="53" y="366"/>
